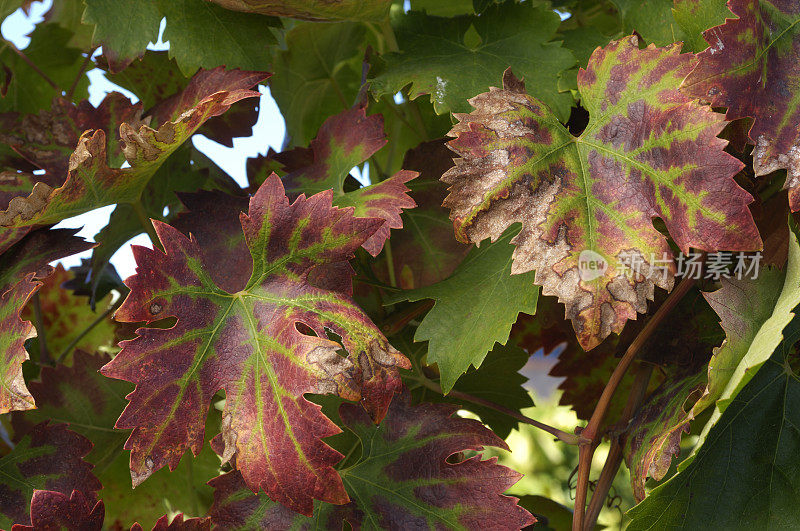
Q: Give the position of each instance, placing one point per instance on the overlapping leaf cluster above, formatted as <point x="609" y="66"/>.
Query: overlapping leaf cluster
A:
<point x="462" y="184"/>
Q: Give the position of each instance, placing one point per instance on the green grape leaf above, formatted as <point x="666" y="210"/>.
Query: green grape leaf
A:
<point x="751" y="452"/>
<point x="587" y="203"/>
<point x="123" y="28"/>
<point x="751" y="68"/>
<point x="23" y="89"/>
<point x="344" y="141"/>
<point x="437" y="60"/>
<point x="247" y="343"/>
<point x="200" y="34"/>
<point x="204" y="35"/>
<point x="47" y="458"/>
<point x="317" y="76"/>
<point x="696" y="16"/>
<point x="317" y="10"/>
<point x="652" y="19"/>
<point x="474" y="309"/>
<point x="753" y="314"/>
<point x="405" y="479"/>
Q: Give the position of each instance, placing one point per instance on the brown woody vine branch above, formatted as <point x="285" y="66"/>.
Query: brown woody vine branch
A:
<point x="590" y="432"/>
<point x="614" y="459"/>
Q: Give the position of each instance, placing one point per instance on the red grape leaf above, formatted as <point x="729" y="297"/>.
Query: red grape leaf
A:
<point x="247" y="343"/>
<point x="51" y="511"/>
<point x="178" y="524"/>
<point x="648" y="151"/>
<point x="212" y="218"/>
<point x="654" y="437"/>
<point x="93" y="180"/>
<point x="91" y="404"/>
<point x="405" y="479"/>
<point x="21" y="268"/>
<point x="47" y="458"/>
<point x="47" y="139"/>
<point x="344" y="141"/>
<point x="751" y="68"/>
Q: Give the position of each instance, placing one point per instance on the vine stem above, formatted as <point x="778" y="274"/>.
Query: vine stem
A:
<point x="614" y="459"/>
<point x="147" y="224"/>
<point x="590" y="432"/>
<point x="569" y="438"/>
<point x="34" y="67"/>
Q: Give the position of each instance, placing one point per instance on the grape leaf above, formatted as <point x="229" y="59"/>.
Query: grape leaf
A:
<point x="21" y="268"/>
<point x="648" y="151"/>
<point x="682" y="347"/>
<point x="91" y="403"/>
<point x="753" y="314"/>
<point x="654" y="436"/>
<point x="437" y="59"/>
<point x="186" y="170"/>
<point x="751" y="68"/>
<point x="48" y="458"/>
<point x="56" y="510"/>
<point x="403" y="480"/>
<point x="466" y="321"/>
<point x="153" y="78"/>
<point x="65" y="316"/>
<point x="344" y="141"/>
<point x="212" y="218"/>
<point x="317" y="76"/>
<point x="247" y="343"/>
<point x="696" y="16"/>
<point x="751" y="453"/>
<point x="753" y="311"/>
<point x="652" y="19"/>
<point x="92" y="183"/>
<point x="49" y="49"/>
<point x="47" y="139"/>
<point x="204" y="35"/>
<point x="318" y="10"/>
<point x="199" y="32"/>
<point x="123" y="28"/>
<point x="53" y="510"/>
